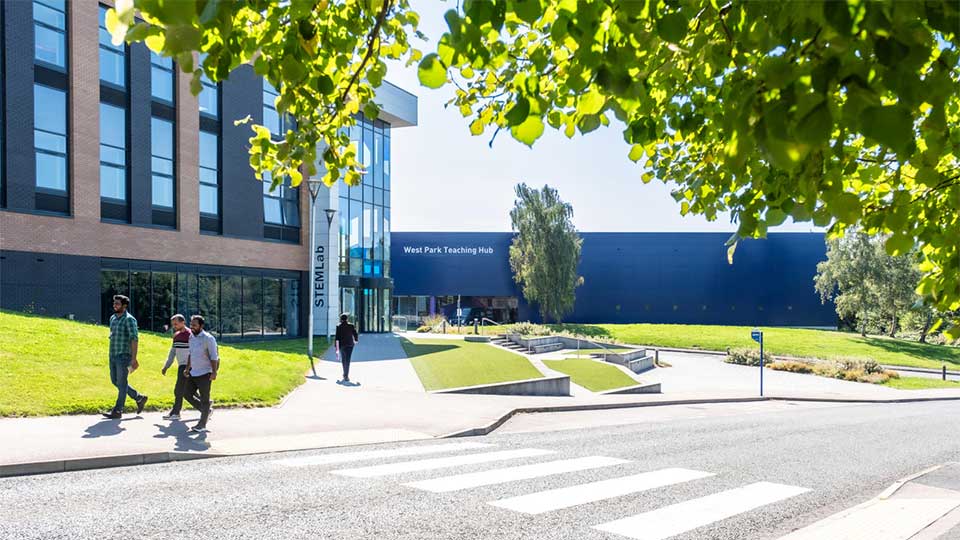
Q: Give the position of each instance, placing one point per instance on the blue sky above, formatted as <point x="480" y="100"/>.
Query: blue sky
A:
<point x="444" y="179"/>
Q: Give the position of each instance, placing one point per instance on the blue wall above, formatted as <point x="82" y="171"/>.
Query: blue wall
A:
<point x="636" y="277"/>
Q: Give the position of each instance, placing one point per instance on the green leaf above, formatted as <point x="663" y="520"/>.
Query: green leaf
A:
<point x="431" y="72"/>
<point x="325" y="85"/>
<point x="891" y="126"/>
<point x="527" y="10"/>
<point x="519" y="112"/>
<point x="837" y="14"/>
<point x="209" y="11"/>
<point x="529" y="131"/>
<point x="636" y="152"/>
<point x="476" y="127"/>
<point x="816" y="127"/>
<point x="371" y="110"/>
<point x="182" y="38"/>
<point x="292" y="70"/>
<point x="591" y="102"/>
<point x="672" y="27"/>
<point x="898" y="244"/>
<point x="196" y="85"/>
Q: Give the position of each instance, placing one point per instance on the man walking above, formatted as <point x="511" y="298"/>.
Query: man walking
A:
<point x="344" y="342"/>
<point x="202" y="365"/>
<point x="180" y="350"/>
<point x="123" y="356"/>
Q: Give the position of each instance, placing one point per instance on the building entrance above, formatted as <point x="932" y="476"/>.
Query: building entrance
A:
<point x="369" y="308"/>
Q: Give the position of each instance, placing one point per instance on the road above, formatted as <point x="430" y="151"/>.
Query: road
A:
<point x="736" y="471"/>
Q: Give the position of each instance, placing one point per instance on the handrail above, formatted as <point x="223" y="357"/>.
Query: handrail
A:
<point x="483" y="319"/>
<point x="602" y="346"/>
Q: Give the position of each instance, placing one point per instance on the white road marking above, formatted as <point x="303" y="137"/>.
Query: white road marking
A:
<point x="509" y="474"/>
<point x="556" y="499"/>
<point x="688" y="515"/>
<point x="367" y="455"/>
<point x="440" y="463"/>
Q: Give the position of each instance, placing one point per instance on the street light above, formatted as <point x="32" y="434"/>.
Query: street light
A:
<point x="314" y="185"/>
<point x="331" y="212"/>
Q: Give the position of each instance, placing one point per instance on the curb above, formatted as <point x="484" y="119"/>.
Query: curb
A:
<point x="100" y="462"/>
<point x="920" y="370"/>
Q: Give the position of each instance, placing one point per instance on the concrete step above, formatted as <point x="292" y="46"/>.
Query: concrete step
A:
<point x="545" y="348"/>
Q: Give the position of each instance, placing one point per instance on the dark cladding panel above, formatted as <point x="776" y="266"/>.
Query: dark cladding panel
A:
<point x="140" y="111"/>
<point x="242" y="193"/>
<point x="18" y="100"/>
<point x="50" y="284"/>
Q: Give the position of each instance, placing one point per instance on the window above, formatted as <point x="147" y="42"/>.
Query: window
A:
<point x="281" y="206"/>
<point x="209" y="181"/>
<point x="50" y="138"/>
<point x="161" y="78"/>
<point x="231" y="305"/>
<point x="50" y="33"/>
<point x="209" y="98"/>
<point x="113" y="162"/>
<point x="252" y="306"/>
<point x="113" y="68"/>
<point x="161" y="171"/>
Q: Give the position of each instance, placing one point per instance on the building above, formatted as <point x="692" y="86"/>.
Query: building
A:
<point x="114" y="178"/>
<point x="628" y="277"/>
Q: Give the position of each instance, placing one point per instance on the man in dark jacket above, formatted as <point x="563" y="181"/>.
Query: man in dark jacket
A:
<point x="344" y="342"/>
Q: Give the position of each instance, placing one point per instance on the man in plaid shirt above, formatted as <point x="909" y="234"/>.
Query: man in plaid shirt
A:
<point x="123" y="356"/>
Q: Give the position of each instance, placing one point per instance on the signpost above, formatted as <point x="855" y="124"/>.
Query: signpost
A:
<point x="757" y="335"/>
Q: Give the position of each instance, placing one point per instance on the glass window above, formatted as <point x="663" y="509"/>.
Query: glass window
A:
<point x="112" y="282"/>
<point x="113" y="68"/>
<point x="367" y="157"/>
<point x="164" y="306"/>
<point x="209" y="173"/>
<point x="161" y="150"/>
<point x="344" y="214"/>
<point x="252" y="306"/>
<point x="378" y="160"/>
<point x="49" y="32"/>
<point x="140" y="297"/>
<point x="231" y="304"/>
<point x="50" y="137"/>
<point x="291" y="306"/>
<point x="356" y="250"/>
<point x="377" y="235"/>
<point x="209" y="299"/>
<point x="273" y="322"/>
<point x="386" y="162"/>
<point x="367" y="231"/>
<point x="113" y="160"/>
<point x="281" y="206"/>
<point x="161" y="77"/>
<point x="209" y="95"/>
<point x="187" y="294"/>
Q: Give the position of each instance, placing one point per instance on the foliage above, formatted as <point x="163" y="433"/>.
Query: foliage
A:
<point x="791" y="366"/>
<point x="52" y="366"/>
<point x="530" y="329"/>
<point x="448" y="363"/>
<point x="545" y="251"/>
<point x="747" y="357"/>
<point x="866" y="283"/>
<point x="434" y="321"/>
<point x="841" y="113"/>
<point x="865" y="371"/>
<point x="591" y="374"/>
<point x="424" y="329"/>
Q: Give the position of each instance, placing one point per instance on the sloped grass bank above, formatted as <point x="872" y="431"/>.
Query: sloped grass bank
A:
<point x="447" y="363"/>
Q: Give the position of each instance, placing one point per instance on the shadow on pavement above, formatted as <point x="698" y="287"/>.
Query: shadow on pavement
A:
<point x="184" y="442"/>
<point x="349" y="384"/>
<point x="106" y="428"/>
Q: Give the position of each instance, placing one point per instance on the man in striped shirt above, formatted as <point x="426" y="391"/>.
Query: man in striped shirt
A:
<point x="180" y="350"/>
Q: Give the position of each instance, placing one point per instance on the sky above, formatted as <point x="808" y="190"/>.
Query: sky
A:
<point x="444" y="179"/>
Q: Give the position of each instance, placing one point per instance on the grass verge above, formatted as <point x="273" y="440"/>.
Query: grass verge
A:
<point x="591" y="374"/>
<point x="446" y="363"/>
<point x="920" y="383"/>
<point x="54" y="366"/>
<point x="824" y="344"/>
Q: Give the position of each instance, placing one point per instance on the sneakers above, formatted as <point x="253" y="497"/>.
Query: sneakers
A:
<point x="141" y="403"/>
<point x="198" y="429"/>
<point x="171" y="416"/>
<point x="112" y="415"/>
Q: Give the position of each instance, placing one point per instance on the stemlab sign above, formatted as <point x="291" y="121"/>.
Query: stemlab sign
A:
<point x="319" y="276"/>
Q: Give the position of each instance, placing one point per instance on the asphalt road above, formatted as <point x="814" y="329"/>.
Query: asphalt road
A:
<point x="843" y="455"/>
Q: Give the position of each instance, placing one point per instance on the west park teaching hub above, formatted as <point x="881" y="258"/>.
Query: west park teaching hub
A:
<point x="114" y="178"/>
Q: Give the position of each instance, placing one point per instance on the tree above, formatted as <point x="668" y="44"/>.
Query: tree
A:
<point x="846" y="114"/>
<point x="867" y="283"/>
<point x="545" y="252"/>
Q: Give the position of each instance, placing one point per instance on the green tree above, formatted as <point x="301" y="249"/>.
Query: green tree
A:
<point x="866" y="283"/>
<point x="846" y="114"/>
<point x="545" y="252"/>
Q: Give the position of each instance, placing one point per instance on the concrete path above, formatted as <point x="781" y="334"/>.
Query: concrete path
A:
<point x="378" y="361"/>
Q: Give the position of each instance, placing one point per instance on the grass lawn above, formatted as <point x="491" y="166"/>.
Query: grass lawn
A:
<point x="786" y="341"/>
<point x="920" y="383"/>
<point x="54" y="366"/>
<point x="445" y="363"/>
<point x="591" y="374"/>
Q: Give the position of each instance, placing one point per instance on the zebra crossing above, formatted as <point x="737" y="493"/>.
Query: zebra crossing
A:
<point x="658" y="524"/>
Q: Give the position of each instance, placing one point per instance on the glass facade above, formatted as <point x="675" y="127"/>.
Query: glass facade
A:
<point x="281" y="205"/>
<point x="113" y="65"/>
<point x="50" y="138"/>
<point x="161" y="78"/>
<point x="209" y="176"/>
<point x="51" y="123"/>
<point x="113" y="154"/>
<point x="50" y="33"/>
<point x="161" y="150"/>
<point x="365" y="230"/>
<point x="236" y="303"/>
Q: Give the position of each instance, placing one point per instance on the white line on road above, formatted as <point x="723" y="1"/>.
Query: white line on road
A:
<point x="556" y="499"/>
<point x="367" y="455"/>
<point x="688" y="515"/>
<point x="510" y="474"/>
<point x="440" y="463"/>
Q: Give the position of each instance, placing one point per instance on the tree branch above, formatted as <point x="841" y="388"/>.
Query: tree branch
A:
<point x="371" y="40"/>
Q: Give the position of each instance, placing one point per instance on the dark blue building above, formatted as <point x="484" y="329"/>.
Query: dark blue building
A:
<point x="628" y="278"/>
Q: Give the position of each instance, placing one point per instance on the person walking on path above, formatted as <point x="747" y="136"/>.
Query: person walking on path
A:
<point x="123" y="356"/>
<point x="344" y="342"/>
<point x="202" y="365"/>
<point x="179" y="351"/>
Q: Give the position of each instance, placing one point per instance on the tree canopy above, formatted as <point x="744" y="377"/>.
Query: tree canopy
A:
<point x="545" y="252"/>
<point x="846" y="114"/>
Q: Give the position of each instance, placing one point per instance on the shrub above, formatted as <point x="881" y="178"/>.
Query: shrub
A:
<point x="853" y="374"/>
<point x="424" y="329"/>
<point x="530" y="329"/>
<point x="826" y="370"/>
<point x="746" y="357"/>
<point x="891" y="374"/>
<point x="791" y="366"/>
<point x="866" y="365"/>
<point x="874" y="378"/>
<point x="433" y="321"/>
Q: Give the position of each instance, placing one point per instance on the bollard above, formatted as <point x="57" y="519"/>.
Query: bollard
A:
<point x="476" y="327"/>
<point x="444" y="327"/>
<point x="656" y="357"/>
<point x="944" y="372"/>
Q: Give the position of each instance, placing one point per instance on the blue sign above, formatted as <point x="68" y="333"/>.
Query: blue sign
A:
<point x="756" y="335"/>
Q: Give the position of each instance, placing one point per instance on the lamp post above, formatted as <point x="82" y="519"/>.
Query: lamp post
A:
<point x="314" y="185"/>
<point x="331" y="212"/>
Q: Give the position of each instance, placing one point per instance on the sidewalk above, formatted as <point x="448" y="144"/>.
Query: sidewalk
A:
<point x="389" y="405"/>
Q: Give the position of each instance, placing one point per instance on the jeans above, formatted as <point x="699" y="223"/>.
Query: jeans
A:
<point x="199" y="385"/>
<point x="345" y="354"/>
<point x="119" y="370"/>
<point x="179" y="393"/>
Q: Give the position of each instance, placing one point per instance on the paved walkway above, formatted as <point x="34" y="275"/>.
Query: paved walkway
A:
<point x="388" y="405"/>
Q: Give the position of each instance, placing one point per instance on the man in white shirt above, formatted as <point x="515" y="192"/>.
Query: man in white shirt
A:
<point x="202" y="366"/>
